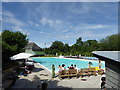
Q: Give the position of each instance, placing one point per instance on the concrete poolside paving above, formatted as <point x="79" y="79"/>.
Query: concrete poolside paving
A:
<point x="41" y="74"/>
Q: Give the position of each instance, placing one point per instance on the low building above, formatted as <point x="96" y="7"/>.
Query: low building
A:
<point x="33" y="49"/>
<point x="112" y="64"/>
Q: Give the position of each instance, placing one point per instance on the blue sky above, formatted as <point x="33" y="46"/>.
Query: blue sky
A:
<point x="45" y="22"/>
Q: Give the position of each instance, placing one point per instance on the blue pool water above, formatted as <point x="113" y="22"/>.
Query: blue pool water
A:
<point x="47" y="62"/>
<point x="91" y="58"/>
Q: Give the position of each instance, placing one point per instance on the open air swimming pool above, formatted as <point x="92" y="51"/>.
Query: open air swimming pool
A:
<point x="47" y="62"/>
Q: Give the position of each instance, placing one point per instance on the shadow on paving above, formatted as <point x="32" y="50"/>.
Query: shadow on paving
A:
<point x="35" y="83"/>
<point x="37" y="69"/>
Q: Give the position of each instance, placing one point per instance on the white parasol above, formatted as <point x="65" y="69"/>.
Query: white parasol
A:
<point x="21" y="56"/>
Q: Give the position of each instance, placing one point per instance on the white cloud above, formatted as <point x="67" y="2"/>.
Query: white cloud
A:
<point x="45" y="21"/>
<point x="0" y="11"/>
<point x="30" y="23"/>
<point x="18" y="25"/>
<point x="36" y="24"/>
<point x="88" y="31"/>
<point x="10" y="18"/>
<point x="59" y="28"/>
<point x="83" y="8"/>
<point x="40" y="32"/>
<point x="70" y="27"/>
<point x="85" y="26"/>
<point x="60" y="0"/>
<point x="50" y="22"/>
<point x="88" y="34"/>
<point x="67" y="36"/>
<point x="13" y="21"/>
<point x="33" y="24"/>
<point x="7" y="13"/>
<point x="16" y="28"/>
<point x="58" y="21"/>
<point x="91" y="35"/>
<point x="97" y="26"/>
<point x="65" y="30"/>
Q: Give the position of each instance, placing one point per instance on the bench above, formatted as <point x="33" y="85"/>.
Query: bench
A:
<point x="67" y="73"/>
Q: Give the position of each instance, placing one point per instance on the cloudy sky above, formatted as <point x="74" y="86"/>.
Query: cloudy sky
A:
<point x="45" y="22"/>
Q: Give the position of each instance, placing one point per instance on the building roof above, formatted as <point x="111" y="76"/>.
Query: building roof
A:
<point x="29" y="45"/>
<point x="113" y="55"/>
<point x="33" y="46"/>
<point x="35" y="52"/>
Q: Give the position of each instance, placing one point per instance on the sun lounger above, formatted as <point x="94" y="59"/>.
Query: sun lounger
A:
<point x="83" y="71"/>
<point x="92" y="71"/>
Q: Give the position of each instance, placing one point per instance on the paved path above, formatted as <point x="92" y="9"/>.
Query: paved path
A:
<point x="36" y="77"/>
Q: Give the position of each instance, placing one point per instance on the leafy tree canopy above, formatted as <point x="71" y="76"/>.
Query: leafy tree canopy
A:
<point x="86" y="47"/>
<point x="12" y="43"/>
<point x="57" y="46"/>
<point x="110" y="43"/>
<point x="79" y="41"/>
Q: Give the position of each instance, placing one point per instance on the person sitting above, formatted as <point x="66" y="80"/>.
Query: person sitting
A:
<point x="26" y="70"/>
<point x="75" y="67"/>
<point x="68" y="68"/>
<point x="60" y="68"/>
<point x="63" y="67"/>
<point x="99" y="64"/>
<point x="89" y="64"/>
<point x="101" y="71"/>
<point x="71" y="67"/>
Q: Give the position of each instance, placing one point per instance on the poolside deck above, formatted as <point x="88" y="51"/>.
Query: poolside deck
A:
<point x="36" y="77"/>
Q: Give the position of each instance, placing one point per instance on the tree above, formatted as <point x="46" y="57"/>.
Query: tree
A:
<point x="57" y="47"/>
<point x="110" y="43"/>
<point x="92" y="44"/>
<point x="66" y="48"/>
<point x="47" y="51"/>
<point x="79" y="41"/>
<point x="75" y="48"/>
<point x="85" y="48"/>
<point x="12" y="43"/>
